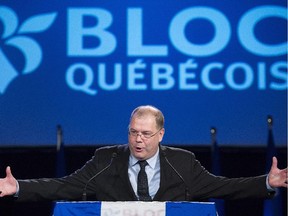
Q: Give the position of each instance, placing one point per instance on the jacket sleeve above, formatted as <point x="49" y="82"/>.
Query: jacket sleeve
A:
<point x="67" y="188"/>
<point x="206" y="185"/>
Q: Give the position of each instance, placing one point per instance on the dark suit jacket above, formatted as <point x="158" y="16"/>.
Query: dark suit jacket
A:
<point x="114" y="185"/>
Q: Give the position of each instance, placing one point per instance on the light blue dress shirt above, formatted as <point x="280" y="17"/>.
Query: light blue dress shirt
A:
<point x="152" y="170"/>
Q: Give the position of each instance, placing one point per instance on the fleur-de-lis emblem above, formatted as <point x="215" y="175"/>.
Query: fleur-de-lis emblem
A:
<point x="16" y="37"/>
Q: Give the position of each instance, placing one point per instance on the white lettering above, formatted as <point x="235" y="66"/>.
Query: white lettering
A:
<point x="133" y="75"/>
<point x="247" y="27"/>
<point x="205" y="76"/>
<point x="184" y="75"/>
<point x="162" y="72"/>
<point x="77" y="32"/>
<point x="103" y="76"/>
<point x="135" y="45"/>
<point x="219" y="21"/>
<point x="248" y="76"/>
<point x="88" y="78"/>
<point x="279" y="71"/>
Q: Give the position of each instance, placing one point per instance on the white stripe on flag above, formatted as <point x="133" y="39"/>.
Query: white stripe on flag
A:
<point x="133" y="208"/>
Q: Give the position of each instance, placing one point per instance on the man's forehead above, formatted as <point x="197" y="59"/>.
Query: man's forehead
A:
<point x="147" y="120"/>
<point x="145" y="117"/>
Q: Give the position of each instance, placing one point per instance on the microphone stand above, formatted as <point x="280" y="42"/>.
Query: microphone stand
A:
<point x="84" y="194"/>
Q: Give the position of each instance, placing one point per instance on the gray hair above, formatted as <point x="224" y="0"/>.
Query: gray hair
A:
<point x="149" y="110"/>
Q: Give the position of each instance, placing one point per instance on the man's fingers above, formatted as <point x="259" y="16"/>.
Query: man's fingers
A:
<point x="8" y="171"/>
<point x="274" y="163"/>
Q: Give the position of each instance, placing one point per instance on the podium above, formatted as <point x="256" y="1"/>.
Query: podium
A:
<point x="134" y="209"/>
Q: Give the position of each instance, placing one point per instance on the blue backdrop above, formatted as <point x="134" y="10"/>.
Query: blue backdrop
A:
<point x="87" y="64"/>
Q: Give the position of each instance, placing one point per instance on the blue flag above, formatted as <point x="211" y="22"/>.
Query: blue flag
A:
<point x="60" y="163"/>
<point x="272" y="207"/>
<point x="216" y="170"/>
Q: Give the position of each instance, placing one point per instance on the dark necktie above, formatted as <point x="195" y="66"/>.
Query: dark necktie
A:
<point x="142" y="184"/>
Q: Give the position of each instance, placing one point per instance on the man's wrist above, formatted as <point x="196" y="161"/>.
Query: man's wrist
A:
<point x="17" y="189"/>
<point x="268" y="186"/>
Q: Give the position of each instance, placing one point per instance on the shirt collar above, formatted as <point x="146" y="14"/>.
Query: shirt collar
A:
<point x="151" y="161"/>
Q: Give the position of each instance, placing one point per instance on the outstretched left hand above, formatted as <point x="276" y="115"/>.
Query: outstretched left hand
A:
<point x="277" y="177"/>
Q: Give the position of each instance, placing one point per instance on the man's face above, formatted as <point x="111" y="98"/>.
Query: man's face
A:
<point x="142" y="127"/>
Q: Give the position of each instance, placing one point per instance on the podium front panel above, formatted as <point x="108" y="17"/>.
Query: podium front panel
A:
<point x="134" y="209"/>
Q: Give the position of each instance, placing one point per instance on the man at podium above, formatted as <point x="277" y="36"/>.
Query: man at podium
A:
<point x="143" y="170"/>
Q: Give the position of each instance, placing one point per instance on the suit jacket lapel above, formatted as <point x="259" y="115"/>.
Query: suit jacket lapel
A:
<point x="164" y="174"/>
<point x="122" y="169"/>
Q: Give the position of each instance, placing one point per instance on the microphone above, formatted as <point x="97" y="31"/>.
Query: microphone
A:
<point x="84" y="194"/>
<point x="187" y="192"/>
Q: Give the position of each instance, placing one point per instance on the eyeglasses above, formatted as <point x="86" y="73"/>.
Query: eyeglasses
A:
<point x="145" y="134"/>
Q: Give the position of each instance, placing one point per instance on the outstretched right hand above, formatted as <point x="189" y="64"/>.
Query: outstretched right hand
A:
<point x="8" y="185"/>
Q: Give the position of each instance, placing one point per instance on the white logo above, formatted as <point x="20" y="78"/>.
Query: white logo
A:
<point x="14" y="36"/>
